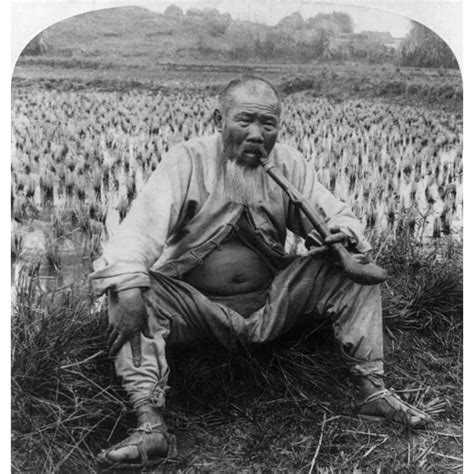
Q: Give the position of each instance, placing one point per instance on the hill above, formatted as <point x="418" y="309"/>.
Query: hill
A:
<point x="129" y="33"/>
<point x="133" y="47"/>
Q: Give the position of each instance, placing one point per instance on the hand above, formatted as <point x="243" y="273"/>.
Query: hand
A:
<point x="317" y="246"/>
<point x="128" y="319"/>
<point x="338" y="237"/>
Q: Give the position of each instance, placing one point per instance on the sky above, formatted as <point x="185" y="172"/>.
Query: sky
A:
<point x="372" y="19"/>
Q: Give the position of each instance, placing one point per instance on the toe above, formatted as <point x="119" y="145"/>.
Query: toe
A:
<point x="127" y="453"/>
<point x="420" y="420"/>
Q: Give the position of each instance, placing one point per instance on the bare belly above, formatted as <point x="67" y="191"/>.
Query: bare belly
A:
<point x="231" y="270"/>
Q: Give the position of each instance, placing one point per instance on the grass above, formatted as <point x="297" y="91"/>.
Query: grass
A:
<point x="282" y="406"/>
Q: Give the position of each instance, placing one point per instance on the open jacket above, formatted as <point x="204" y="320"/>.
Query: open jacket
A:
<point x="179" y="217"/>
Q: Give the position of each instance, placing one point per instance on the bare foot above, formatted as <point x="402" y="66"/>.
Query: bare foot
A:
<point x="149" y="441"/>
<point x="373" y="401"/>
<point x="146" y="442"/>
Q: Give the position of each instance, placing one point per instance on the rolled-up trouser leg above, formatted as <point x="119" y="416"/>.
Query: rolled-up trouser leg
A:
<point x="314" y="286"/>
<point x="145" y="384"/>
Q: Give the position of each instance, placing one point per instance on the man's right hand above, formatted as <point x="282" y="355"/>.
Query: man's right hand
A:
<point x="128" y="319"/>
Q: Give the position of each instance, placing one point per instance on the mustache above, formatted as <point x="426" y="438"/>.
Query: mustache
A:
<point x="258" y="150"/>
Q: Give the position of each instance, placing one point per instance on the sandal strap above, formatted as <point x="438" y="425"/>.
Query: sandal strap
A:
<point x="376" y="396"/>
<point x="388" y="395"/>
<point x="149" y="428"/>
<point x="141" y="451"/>
<point x="143" y="430"/>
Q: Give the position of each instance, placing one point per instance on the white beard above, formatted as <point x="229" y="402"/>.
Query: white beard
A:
<point x="243" y="185"/>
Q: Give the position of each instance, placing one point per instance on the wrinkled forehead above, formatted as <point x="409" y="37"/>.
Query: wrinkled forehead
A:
<point x="257" y="95"/>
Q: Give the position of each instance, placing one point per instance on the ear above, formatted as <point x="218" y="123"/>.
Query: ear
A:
<point x="218" y="119"/>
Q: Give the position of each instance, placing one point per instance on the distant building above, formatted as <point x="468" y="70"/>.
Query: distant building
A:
<point x="383" y="37"/>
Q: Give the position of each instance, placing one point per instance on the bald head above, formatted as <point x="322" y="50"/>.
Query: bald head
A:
<point x="252" y="85"/>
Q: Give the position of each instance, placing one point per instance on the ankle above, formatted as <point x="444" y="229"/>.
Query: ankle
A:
<point x="365" y="385"/>
<point x="149" y="414"/>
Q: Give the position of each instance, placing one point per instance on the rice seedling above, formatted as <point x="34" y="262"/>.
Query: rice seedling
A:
<point x="30" y="188"/>
<point x="16" y="243"/>
<point x="93" y="243"/>
<point x="122" y="207"/>
<point x="81" y="219"/>
<point x="80" y="189"/>
<point x="97" y="182"/>
<point x="52" y="252"/>
<point x="57" y="227"/>
<point x="69" y="184"/>
<point x="46" y="184"/>
<point x="131" y="187"/>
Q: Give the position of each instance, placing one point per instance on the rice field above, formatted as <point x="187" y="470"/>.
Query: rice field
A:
<point x="80" y="158"/>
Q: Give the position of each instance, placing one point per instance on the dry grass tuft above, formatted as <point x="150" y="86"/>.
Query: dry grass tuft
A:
<point x="425" y="291"/>
<point x="63" y="394"/>
<point x="280" y="406"/>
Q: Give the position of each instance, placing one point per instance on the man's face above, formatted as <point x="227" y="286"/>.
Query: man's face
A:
<point x="249" y="126"/>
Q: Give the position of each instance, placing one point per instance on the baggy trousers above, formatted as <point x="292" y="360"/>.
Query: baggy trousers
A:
<point x="309" y="286"/>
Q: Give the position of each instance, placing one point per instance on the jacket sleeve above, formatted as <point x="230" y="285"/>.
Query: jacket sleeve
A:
<point x="139" y="240"/>
<point x="334" y="212"/>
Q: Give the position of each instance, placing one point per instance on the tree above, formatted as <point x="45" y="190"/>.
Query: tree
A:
<point x="343" y="22"/>
<point x="216" y="22"/>
<point x="424" y="48"/>
<point x="173" y="10"/>
<point x="322" y="21"/>
<point x="194" y="12"/>
<point x="294" y="21"/>
<point x="278" y="44"/>
<point x="336" y="22"/>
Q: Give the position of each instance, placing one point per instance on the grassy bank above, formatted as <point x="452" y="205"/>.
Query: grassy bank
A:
<point x="282" y="406"/>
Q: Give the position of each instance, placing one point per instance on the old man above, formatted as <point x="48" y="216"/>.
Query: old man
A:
<point x="201" y="257"/>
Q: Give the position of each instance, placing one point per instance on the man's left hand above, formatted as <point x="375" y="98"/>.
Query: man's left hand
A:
<point x="337" y="236"/>
<point x="316" y="246"/>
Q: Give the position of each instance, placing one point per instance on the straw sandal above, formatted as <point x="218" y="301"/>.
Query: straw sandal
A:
<point x="397" y="410"/>
<point x="137" y="438"/>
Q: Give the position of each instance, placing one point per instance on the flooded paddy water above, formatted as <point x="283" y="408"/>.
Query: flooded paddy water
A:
<point x="80" y="158"/>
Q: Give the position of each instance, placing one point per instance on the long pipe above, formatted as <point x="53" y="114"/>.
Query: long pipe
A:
<point x="364" y="274"/>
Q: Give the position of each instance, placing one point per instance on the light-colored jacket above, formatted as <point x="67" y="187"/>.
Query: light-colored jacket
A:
<point x="179" y="217"/>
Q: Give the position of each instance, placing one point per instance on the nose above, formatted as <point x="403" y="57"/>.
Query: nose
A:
<point x="255" y="134"/>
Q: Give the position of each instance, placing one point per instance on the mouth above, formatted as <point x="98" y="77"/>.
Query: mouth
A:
<point x="254" y="152"/>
